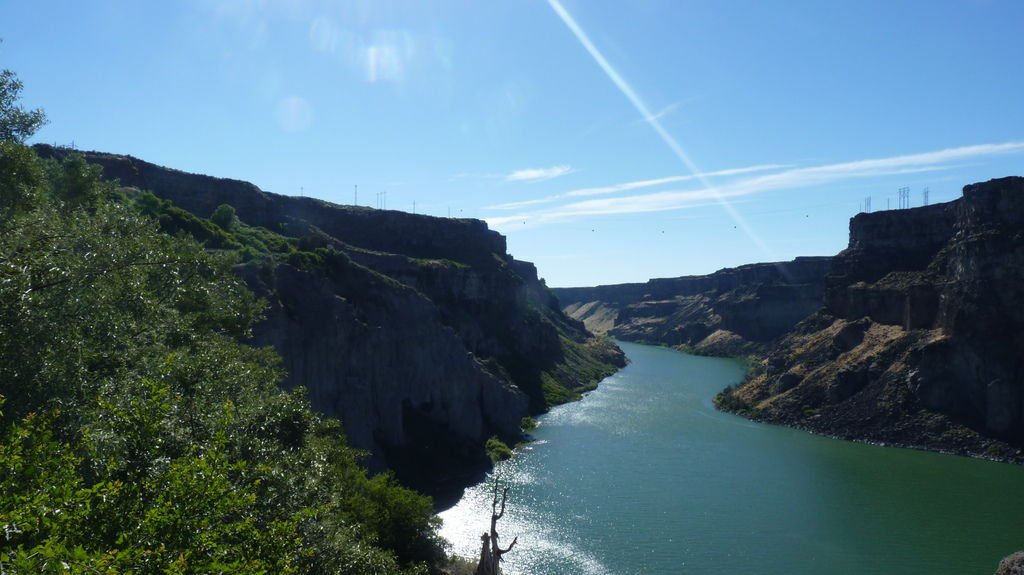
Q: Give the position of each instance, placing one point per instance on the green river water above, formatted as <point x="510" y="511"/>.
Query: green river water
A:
<point x="643" y="476"/>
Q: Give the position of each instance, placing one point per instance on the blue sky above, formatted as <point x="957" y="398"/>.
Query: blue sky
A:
<point x="610" y="141"/>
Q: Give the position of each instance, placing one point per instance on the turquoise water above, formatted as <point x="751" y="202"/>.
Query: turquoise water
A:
<point x="644" y="476"/>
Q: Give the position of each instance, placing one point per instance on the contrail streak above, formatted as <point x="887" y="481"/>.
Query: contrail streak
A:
<point x="654" y="122"/>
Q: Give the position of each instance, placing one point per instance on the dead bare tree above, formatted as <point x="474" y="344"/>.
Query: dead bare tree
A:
<point x="490" y="551"/>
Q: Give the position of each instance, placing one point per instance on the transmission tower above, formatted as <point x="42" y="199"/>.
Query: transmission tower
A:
<point x="925" y="192"/>
<point x="904" y="198"/>
<point x="867" y="204"/>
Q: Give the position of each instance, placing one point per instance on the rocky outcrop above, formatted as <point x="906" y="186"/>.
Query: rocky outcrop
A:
<point x="421" y="334"/>
<point x="918" y="342"/>
<point x="730" y="312"/>
<point x="375" y="353"/>
<point x="1012" y="564"/>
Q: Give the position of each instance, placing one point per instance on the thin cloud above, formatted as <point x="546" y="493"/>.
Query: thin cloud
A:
<point x="908" y="163"/>
<point x="636" y="185"/>
<point x="523" y="203"/>
<point x="627" y="186"/>
<point x="627" y="90"/>
<point x="787" y="179"/>
<point x="528" y="175"/>
<point x="539" y="174"/>
<point x="666" y="111"/>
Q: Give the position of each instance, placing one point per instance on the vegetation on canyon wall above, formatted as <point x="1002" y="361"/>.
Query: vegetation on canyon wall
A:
<point x="421" y="334"/>
<point x="138" y="434"/>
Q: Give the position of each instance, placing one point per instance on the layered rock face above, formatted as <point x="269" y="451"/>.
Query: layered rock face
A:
<point x="421" y="334"/>
<point x="732" y="311"/>
<point x="919" y="341"/>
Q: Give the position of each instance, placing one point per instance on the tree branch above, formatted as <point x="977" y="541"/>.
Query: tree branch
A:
<point x="509" y="548"/>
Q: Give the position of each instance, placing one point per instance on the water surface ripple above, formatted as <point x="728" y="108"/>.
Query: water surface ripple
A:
<point x="643" y="476"/>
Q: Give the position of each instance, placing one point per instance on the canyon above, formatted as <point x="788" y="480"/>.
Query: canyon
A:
<point x="733" y="311"/>
<point x="421" y="334"/>
<point x="910" y="336"/>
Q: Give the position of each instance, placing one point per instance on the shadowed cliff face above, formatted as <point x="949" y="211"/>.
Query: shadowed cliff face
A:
<point x="730" y="312"/>
<point x="421" y="334"/>
<point x="920" y="339"/>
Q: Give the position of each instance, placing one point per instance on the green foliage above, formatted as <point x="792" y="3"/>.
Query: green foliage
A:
<point x="224" y="216"/>
<point x="528" y="424"/>
<point x="16" y="123"/>
<point x="76" y="182"/>
<point x="137" y="434"/>
<point x="581" y="368"/>
<point x="460" y="566"/>
<point x="176" y="221"/>
<point x="497" y="450"/>
<point x="728" y="401"/>
<point x="246" y="241"/>
<point x="21" y="178"/>
<point x="554" y="392"/>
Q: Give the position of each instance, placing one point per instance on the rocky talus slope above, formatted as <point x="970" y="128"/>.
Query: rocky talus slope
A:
<point x="920" y="339"/>
<point x="734" y="311"/>
<point x="422" y="334"/>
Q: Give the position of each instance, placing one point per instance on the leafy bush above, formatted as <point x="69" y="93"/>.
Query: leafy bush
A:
<point x="497" y="450"/>
<point x="728" y="401"/>
<point x="137" y="434"/>
<point x="224" y="217"/>
<point x="528" y="424"/>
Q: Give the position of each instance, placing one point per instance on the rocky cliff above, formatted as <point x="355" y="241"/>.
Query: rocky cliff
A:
<point x="730" y="312"/>
<point x="421" y="334"/>
<point x="919" y="340"/>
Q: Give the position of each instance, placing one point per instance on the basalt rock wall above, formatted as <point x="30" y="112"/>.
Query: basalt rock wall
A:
<point x="734" y="310"/>
<point x="421" y="334"/>
<point x="920" y="337"/>
<point x="419" y="236"/>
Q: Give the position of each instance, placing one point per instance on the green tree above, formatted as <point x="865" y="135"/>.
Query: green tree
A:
<point x="77" y="183"/>
<point x="20" y="173"/>
<point x="138" y="433"/>
<point x="16" y="123"/>
<point x="224" y="216"/>
<point x="21" y="178"/>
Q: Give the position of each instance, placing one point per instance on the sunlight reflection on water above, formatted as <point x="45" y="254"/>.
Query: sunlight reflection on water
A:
<point x="644" y="476"/>
<point x="544" y="546"/>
